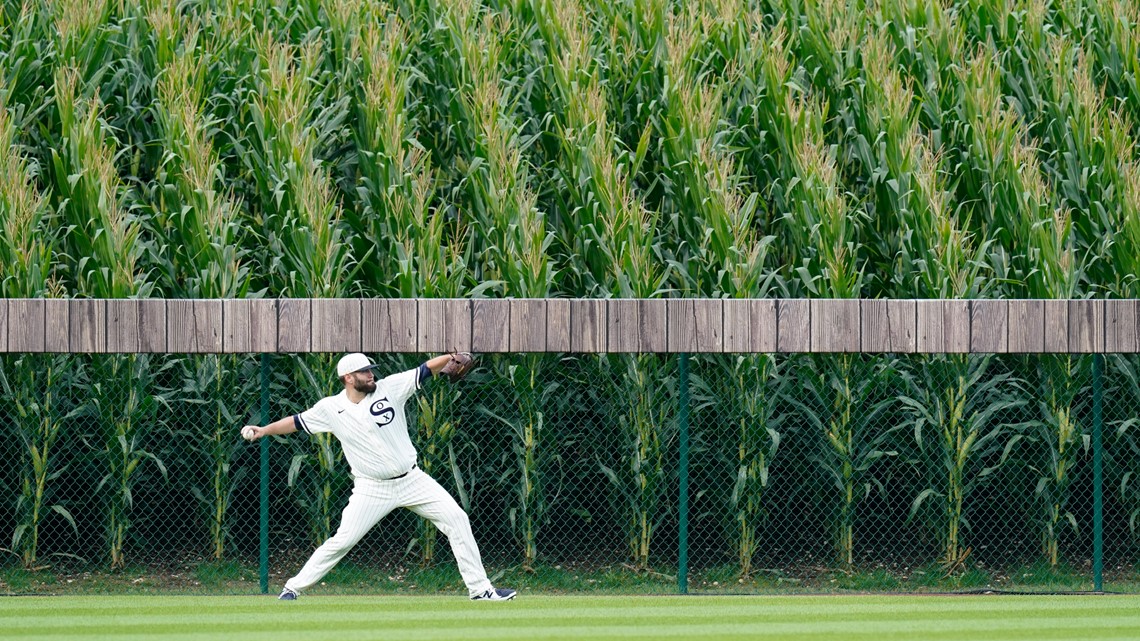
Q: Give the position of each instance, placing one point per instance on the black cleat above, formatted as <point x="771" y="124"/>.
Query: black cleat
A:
<point x="494" y="594"/>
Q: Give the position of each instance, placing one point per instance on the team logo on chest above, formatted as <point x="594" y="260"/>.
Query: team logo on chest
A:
<point x="383" y="411"/>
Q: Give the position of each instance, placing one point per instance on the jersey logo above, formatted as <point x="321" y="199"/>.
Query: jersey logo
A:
<point x="383" y="412"/>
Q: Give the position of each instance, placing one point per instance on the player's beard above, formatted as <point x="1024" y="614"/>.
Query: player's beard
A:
<point x="366" y="387"/>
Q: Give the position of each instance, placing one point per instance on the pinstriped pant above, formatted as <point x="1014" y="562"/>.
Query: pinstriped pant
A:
<point x="372" y="501"/>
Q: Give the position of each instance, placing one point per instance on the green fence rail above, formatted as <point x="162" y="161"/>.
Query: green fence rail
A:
<point x="628" y="473"/>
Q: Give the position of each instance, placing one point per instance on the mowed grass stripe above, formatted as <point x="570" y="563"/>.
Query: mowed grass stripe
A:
<point x="405" y="607"/>
<point x="885" y="631"/>
<point x="391" y="614"/>
<point x="875" y="618"/>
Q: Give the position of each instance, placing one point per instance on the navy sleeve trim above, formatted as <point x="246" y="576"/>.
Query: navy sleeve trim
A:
<point x="424" y="373"/>
<point x="299" y="423"/>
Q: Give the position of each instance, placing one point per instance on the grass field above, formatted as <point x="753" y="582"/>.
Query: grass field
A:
<point x="340" y="618"/>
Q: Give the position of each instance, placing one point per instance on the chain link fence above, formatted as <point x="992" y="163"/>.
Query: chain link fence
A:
<point x="803" y="473"/>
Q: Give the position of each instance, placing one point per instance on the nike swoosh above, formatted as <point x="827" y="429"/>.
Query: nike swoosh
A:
<point x="340" y="411"/>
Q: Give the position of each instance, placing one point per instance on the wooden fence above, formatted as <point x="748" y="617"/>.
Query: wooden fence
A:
<point x="568" y="325"/>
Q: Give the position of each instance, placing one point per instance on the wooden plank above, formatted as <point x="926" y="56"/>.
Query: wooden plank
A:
<point x="57" y="325"/>
<point x="653" y="324"/>
<point x="336" y="325"/>
<point x="294" y="325"/>
<point x="738" y="325"/>
<point x="764" y="327"/>
<point x="875" y="326"/>
<point x="194" y="326"/>
<point x="623" y="326"/>
<point x="152" y="325"/>
<point x="956" y="326"/>
<point x="888" y="326"/>
<point x="25" y="325"/>
<point x="929" y="320"/>
<point x="430" y="326"/>
<point x="1086" y="326"/>
<point x="709" y="316"/>
<point x="237" y="336"/>
<point x="389" y="326"/>
<point x="123" y="326"/>
<point x="208" y="325"/>
<point x="902" y="318"/>
<point x="263" y="325"/>
<point x="457" y="325"/>
<point x="88" y="325"/>
<point x="3" y="326"/>
<point x="793" y="325"/>
<point x="587" y="325"/>
<point x="490" y="325"/>
<point x="1057" y="326"/>
<point x="681" y="323"/>
<point x="180" y="326"/>
<point x="989" y="326"/>
<point x="1120" y="327"/>
<point x="558" y="325"/>
<point x="835" y="325"/>
<point x="528" y="325"/>
<point x="1026" y="326"/>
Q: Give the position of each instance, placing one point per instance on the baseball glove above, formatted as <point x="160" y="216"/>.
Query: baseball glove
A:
<point x="457" y="368"/>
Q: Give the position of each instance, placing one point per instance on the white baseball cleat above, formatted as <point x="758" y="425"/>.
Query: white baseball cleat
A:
<point x="494" y="594"/>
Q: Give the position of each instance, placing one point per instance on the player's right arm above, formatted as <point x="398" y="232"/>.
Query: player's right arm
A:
<point x="318" y="418"/>
<point x="286" y="425"/>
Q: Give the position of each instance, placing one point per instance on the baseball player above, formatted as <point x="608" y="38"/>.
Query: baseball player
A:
<point x="368" y="420"/>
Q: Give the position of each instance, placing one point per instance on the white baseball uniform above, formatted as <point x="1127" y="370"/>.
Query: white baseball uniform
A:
<point x="374" y="436"/>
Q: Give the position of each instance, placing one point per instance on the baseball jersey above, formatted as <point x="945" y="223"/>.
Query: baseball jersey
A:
<point x="374" y="432"/>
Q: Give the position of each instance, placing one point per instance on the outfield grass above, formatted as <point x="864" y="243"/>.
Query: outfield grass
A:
<point x="344" y="618"/>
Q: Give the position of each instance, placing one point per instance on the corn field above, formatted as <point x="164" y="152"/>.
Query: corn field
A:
<point x="579" y="148"/>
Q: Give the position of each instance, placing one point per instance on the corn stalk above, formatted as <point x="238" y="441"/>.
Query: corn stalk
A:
<point x="316" y="471"/>
<point x="206" y="387"/>
<point x="40" y="411"/>
<point x="1126" y="370"/>
<point x="290" y="116"/>
<point x="740" y="391"/>
<point x="396" y="181"/>
<point x="615" y="238"/>
<point x="198" y="221"/>
<point x="509" y="237"/>
<point x="1048" y="226"/>
<point x="1116" y="51"/>
<point x="719" y="251"/>
<point x="435" y="432"/>
<point x="298" y="208"/>
<point x="640" y="469"/>
<point x="31" y="389"/>
<point x="123" y="395"/>
<point x="605" y="225"/>
<point x="715" y="209"/>
<point x="102" y="238"/>
<point x="960" y="438"/>
<point x="842" y="398"/>
<point x="103" y="249"/>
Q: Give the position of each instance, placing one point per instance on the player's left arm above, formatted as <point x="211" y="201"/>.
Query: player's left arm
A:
<point x="404" y="384"/>
<point x="436" y="364"/>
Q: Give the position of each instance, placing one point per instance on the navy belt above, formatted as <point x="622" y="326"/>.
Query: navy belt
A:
<point x="402" y="475"/>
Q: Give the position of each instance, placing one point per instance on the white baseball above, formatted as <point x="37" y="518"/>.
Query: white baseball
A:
<point x="248" y="432"/>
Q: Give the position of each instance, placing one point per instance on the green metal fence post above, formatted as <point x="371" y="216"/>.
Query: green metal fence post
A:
<point x="264" y="500"/>
<point x="1098" y="481"/>
<point x="683" y="474"/>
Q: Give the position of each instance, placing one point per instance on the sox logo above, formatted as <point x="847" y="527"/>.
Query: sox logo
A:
<point x="383" y="411"/>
